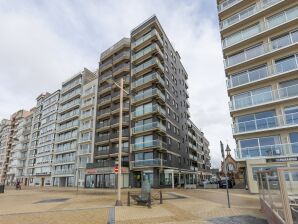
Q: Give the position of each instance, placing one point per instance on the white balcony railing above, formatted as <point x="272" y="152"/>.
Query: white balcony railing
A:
<point x="227" y="4"/>
<point x="61" y="172"/>
<point x="286" y="120"/>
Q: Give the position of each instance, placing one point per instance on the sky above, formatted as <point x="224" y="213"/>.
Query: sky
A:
<point x="42" y="43"/>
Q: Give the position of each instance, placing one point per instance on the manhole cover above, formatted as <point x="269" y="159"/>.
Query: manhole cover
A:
<point x="243" y="219"/>
<point x="52" y="200"/>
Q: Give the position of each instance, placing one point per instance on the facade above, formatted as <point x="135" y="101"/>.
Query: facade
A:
<point x="18" y="147"/>
<point x="5" y="127"/>
<point x="40" y="157"/>
<point x="155" y="114"/>
<point x="65" y="159"/>
<point x="259" y="41"/>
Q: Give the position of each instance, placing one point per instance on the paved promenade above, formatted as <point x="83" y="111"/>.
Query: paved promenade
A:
<point x="63" y="205"/>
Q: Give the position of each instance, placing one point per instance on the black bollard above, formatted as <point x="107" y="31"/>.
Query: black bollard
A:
<point x="128" y="198"/>
<point x="160" y="197"/>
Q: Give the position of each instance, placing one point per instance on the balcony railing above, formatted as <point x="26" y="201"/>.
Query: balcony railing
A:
<point x="147" y="64"/>
<point x="154" y="108"/>
<point x="61" y="172"/>
<point x="65" y="149"/>
<point x="84" y="151"/>
<point x="268" y="151"/>
<point x="248" y="12"/>
<point x="70" y="95"/>
<point x="121" y="66"/>
<point x="122" y="54"/>
<point x="145" y="38"/>
<point x="71" y="85"/>
<point x="69" y="125"/>
<point x="84" y="139"/>
<point x="146" y="50"/>
<point x="289" y="15"/>
<point x="66" y="138"/>
<point x="265" y="97"/>
<point x="287" y="120"/>
<point x="64" y="160"/>
<point x="147" y="94"/>
<point x="73" y="103"/>
<point x="69" y="115"/>
<point x="148" y="78"/>
<point x="149" y="144"/>
<point x="256" y="52"/>
<point x="148" y="127"/>
<point x="145" y="163"/>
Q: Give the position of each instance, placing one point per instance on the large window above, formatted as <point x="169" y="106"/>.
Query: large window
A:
<point x="294" y="141"/>
<point x="144" y="141"/>
<point x="250" y="122"/>
<point x="291" y="115"/>
<point x="264" y="146"/>
<point x="288" y="88"/>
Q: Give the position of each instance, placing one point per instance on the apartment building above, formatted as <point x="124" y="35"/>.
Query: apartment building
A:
<point x="43" y="138"/>
<point x="87" y="128"/>
<point x="65" y="159"/>
<point x="4" y="148"/>
<point x="155" y="113"/>
<point x="19" y="142"/>
<point x="259" y="42"/>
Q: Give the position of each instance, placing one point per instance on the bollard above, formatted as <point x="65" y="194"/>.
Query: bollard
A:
<point x="128" y="198"/>
<point x="149" y="200"/>
<point x="160" y="197"/>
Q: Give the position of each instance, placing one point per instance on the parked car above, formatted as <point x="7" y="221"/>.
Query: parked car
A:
<point x="223" y="182"/>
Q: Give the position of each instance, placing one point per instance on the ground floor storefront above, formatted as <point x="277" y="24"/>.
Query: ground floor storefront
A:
<point x="64" y="181"/>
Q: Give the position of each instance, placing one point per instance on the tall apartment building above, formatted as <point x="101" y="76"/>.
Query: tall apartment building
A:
<point x="5" y="126"/>
<point x="155" y="113"/>
<point x="65" y="159"/>
<point x="20" y="133"/>
<point x="259" y="41"/>
<point x="39" y="163"/>
<point x="87" y="128"/>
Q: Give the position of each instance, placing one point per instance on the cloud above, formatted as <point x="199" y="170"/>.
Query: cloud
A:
<point x="45" y="42"/>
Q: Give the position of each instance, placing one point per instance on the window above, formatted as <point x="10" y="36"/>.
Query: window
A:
<point x="167" y="82"/>
<point x="286" y="64"/>
<point x="289" y="88"/>
<point x="169" y="125"/>
<point x="294" y="141"/>
<point x="169" y="141"/>
<point x="291" y="115"/>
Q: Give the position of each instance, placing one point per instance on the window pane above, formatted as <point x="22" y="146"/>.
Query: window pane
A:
<point x="291" y="114"/>
<point x="240" y="79"/>
<point x="258" y="73"/>
<point x="285" y="64"/>
<point x="276" y="20"/>
<point x="281" y="42"/>
<point x="289" y="88"/>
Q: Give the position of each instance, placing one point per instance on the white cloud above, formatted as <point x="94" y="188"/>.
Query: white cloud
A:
<point x="45" y="42"/>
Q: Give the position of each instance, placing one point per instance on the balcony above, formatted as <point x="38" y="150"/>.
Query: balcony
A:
<point x="139" y="43"/>
<point x="247" y="13"/>
<point x="269" y="123"/>
<point x="158" y="144"/>
<point x="64" y="160"/>
<point x="104" y="89"/>
<point x="154" y="126"/>
<point x="104" y="113"/>
<point x="278" y="150"/>
<point x="146" y="53"/>
<point x="71" y="85"/>
<point x="124" y="67"/>
<point x="147" y="163"/>
<point x="148" y="94"/>
<point x="120" y="57"/>
<point x="102" y="138"/>
<point x="101" y="126"/>
<point x="104" y="101"/>
<point x="147" y="66"/>
<point x="60" y="139"/>
<point x="85" y="139"/>
<point x="106" y="65"/>
<point x="86" y="127"/>
<point x="115" y="135"/>
<point x="84" y="151"/>
<point x="261" y="28"/>
<point x="282" y="94"/>
<point x="115" y="150"/>
<point x="69" y="116"/>
<point x="148" y="79"/>
<point x="104" y="77"/>
<point x="87" y="115"/>
<point x="88" y="103"/>
<point x="116" y="108"/>
<point x="68" y="126"/>
<point x="146" y="111"/>
<point x="64" y="172"/>
<point x="260" y="74"/>
<point x="70" y="105"/>
<point x="115" y="122"/>
<point x="70" y="95"/>
<point x="227" y="4"/>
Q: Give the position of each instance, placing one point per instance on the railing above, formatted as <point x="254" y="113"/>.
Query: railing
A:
<point x="154" y="108"/>
<point x="61" y="172"/>
<point x="68" y="115"/>
<point x="70" y="95"/>
<point x="85" y="127"/>
<point x="68" y="137"/>
<point x="145" y="38"/>
<point x="89" y="138"/>
<point x="105" y="111"/>
<point x="147" y="64"/>
<point x="89" y="91"/>
<point x="65" y="126"/>
<point x="227" y="4"/>
<point x="147" y="94"/>
<point x="146" y="50"/>
<point x="246" y="13"/>
<point x="64" y="149"/>
<point x="148" y="162"/>
<point x="116" y="120"/>
<point x="148" y="78"/>
<point x="259" y="74"/>
<point x="121" y="66"/>
<point x="259" y="28"/>
<point x="107" y="63"/>
<point x="69" y="105"/>
<point x="265" y="97"/>
<point x="256" y="52"/>
<point x="104" y="99"/>
<point x="105" y="76"/>
<point x="88" y="114"/>
<point x="122" y="54"/>
<point x="286" y="120"/>
<point x="149" y="144"/>
<point x="64" y="160"/>
<point x="114" y="150"/>
<point x="88" y="103"/>
<point x="268" y="151"/>
<point x="71" y="85"/>
<point x="147" y="127"/>
<point x="105" y="87"/>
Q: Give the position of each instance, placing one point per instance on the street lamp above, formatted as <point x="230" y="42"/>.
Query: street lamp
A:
<point x="118" y="201"/>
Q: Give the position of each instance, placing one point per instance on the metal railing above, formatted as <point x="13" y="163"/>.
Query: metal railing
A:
<point x="147" y="127"/>
<point x="146" y="37"/>
<point x="149" y="144"/>
<point x="148" y="93"/>
<point x="146" y="50"/>
<point x="154" y="108"/>
<point x="148" y="78"/>
<point x="147" y="64"/>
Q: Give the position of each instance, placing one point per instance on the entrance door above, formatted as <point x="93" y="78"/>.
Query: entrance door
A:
<point x="42" y="181"/>
<point x="137" y="179"/>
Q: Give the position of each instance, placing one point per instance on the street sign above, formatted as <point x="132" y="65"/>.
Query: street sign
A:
<point x="116" y="169"/>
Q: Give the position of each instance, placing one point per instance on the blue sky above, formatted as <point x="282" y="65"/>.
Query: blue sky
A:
<point x="45" y="42"/>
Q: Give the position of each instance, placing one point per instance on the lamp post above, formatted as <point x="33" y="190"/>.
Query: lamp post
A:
<point x="118" y="201"/>
<point x="225" y="170"/>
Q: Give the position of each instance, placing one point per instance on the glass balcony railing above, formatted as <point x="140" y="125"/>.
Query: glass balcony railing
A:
<point x="146" y="37"/>
<point x="145" y="163"/>
<point x="256" y="52"/>
<point x="270" y="23"/>
<point x="147" y="94"/>
<point x="85" y="138"/>
<point x="147" y="64"/>
<point x="145" y="51"/>
<point x="69" y="115"/>
<point x="71" y="85"/>
<point x="64" y="160"/>
<point x="65" y="126"/>
<point x="122" y="54"/>
<point x="147" y="127"/>
<point x="267" y="151"/>
<point x="260" y="73"/>
<point x="286" y="120"/>
<point x="66" y="148"/>
<point x="148" y="110"/>
<point x="71" y="94"/>
<point x="120" y="67"/>
<point x="84" y="151"/>
<point x="148" y="78"/>
<point x="227" y="4"/>
<point x="264" y="97"/>
<point x="62" y="172"/>
<point x="149" y="144"/>
<point x="248" y="12"/>
<point x="67" y="137"/>
<point x="70" y="105"/>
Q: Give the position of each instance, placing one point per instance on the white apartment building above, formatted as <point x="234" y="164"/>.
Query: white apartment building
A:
<point x="5" y="126"/>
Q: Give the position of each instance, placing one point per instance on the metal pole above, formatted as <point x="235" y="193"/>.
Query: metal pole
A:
<point x="227" y="185"/>
<point x="119" y="202"/>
